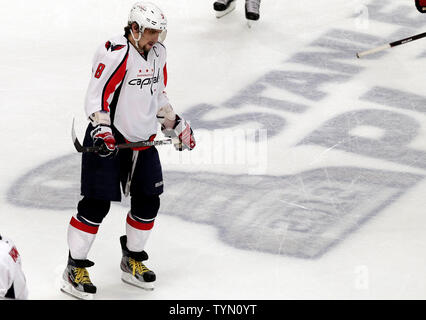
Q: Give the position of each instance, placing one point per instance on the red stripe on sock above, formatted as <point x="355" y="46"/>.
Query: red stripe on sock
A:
<point x="140" y="225"/>
<point x="83" y="227"/>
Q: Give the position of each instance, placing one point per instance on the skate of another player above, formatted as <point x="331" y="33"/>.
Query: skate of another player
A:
<point x="224" y="7"/>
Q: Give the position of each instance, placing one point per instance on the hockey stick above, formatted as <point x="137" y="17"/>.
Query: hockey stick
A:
<point x="139" y="144"/>
<point x="391" y="45"/>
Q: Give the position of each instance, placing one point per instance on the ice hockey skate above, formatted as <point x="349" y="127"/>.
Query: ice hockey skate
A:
<point x="252" y="11"/>
<point x="134" y="272"/>
<point x="223" y="7"/>
<point x="76" y="281"/>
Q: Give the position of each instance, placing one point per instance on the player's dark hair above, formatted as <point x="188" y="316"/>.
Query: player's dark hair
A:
<point x="126" y="31"/>
<point x="128" y="28"/>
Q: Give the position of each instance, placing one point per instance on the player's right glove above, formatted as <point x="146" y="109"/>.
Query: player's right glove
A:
<point x="104" y="139"/>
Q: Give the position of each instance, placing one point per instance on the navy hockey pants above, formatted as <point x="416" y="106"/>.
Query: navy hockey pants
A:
<point x="101" y="179"/>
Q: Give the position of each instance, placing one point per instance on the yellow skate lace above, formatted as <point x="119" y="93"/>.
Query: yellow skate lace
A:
<point x="82" y="276"/>
<point x="137" y="266"/>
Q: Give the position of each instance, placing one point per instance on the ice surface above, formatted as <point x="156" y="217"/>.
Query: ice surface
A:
<point x="308" y="177"/>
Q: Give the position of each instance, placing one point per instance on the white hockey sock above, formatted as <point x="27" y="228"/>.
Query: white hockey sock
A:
<point x="137" y="231"/>
<point x="80" y="238"/>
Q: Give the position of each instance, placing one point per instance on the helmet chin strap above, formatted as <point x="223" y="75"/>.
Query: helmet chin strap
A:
<point x="136" y="40"/>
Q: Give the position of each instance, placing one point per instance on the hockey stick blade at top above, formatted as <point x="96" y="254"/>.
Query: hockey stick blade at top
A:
<point x="139" y="144"/>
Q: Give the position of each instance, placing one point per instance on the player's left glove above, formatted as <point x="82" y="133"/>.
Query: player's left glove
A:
<point x="181" y="134"/>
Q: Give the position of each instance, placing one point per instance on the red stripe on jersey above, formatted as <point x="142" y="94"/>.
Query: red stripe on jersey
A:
<point x="165" y="74"/>
<point x="14" y="254"/>
<point x="113" y="83"/>
<point x="139" y="225"/>
<point x="83" y="227"/>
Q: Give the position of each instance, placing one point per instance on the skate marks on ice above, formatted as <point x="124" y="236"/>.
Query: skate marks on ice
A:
<point x="385" y="134"/>
<point x="379" y="134"/>
<point x="300" y="215"/>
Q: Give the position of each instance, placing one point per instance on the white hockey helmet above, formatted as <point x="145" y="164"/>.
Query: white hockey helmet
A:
<point x="148" y="15"/>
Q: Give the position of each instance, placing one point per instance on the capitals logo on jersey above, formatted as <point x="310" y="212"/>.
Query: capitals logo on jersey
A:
<point x="112" y="46"/>
<point x="145" y="82"/>
<point x="150" y="80"/>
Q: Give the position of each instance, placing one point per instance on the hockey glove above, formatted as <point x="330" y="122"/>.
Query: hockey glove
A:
<point x="181" y="134"/>
<point x="103" y="138"/>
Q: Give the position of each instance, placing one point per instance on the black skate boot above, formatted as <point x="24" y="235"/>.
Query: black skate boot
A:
<point x="252" y="11"/>
<point x="76" y="281"/>
<point x="134" y="271"/>
<point x="223" y="7"/>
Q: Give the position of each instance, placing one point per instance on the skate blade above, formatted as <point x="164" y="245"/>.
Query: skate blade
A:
<point x="129" y="279"/>
<point x="251" y="23"/>
<point x="220" y="14"/>
<point x="68" y="289"/>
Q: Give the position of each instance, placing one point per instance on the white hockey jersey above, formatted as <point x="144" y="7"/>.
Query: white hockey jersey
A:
<point x="13" y="284"/>
<point x="129" y="87"/>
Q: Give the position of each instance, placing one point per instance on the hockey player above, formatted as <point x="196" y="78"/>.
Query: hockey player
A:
<point x="223" y="7"/>
<point x="125" y="101"/>
<point x="13" y="284"/>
